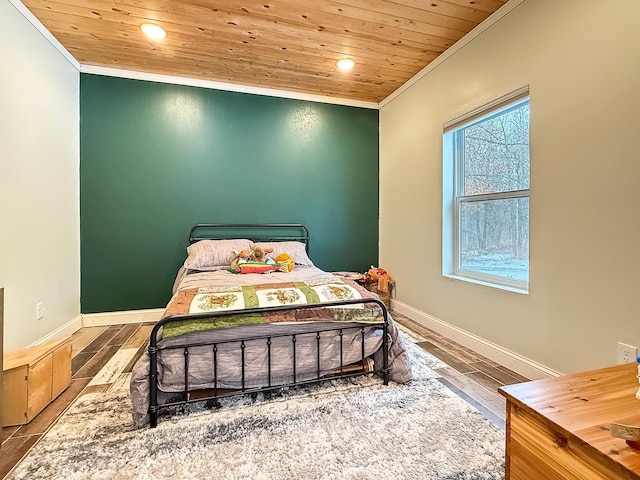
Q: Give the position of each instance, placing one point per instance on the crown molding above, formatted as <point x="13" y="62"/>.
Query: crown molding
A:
<point x="230" y="87"/>
<point x="31" y="18"/>
<point x="460" y="44"/>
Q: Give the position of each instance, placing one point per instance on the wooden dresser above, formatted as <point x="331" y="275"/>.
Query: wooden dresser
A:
<point x="558" y="428"/>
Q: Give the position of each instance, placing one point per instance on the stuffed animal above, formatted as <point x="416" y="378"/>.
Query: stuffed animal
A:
<point x="373" y="274"/>
<point x="380" y="277"/>
<point x="285" y="261"/>
<point x="257" y="260"/>
<point x="259" y="254"/>
<point x="242" y="256"/>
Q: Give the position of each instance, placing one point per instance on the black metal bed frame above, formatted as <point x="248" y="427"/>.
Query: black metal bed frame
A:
<point x="253" y="230"/>
<point x="154" y="349"/>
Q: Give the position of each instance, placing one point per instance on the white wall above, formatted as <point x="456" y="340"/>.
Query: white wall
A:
<point x="580" y="59"/>
<point x="39" y="182"/>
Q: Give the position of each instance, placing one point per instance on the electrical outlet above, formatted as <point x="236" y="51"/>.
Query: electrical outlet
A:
<point x="626" y="353"/>
<point x="39" y="310"/>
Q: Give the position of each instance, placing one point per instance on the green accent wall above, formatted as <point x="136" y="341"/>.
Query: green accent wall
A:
<point x="156" y="159"/>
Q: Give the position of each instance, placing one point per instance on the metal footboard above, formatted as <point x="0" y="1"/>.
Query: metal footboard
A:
<point x="217" y="393"/>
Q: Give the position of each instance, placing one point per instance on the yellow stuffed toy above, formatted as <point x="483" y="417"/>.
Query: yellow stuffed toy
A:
<point x="285" y="261"/>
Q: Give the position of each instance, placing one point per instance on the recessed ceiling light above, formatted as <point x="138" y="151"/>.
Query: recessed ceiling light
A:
<point x="345" y="64"/>
<point x="153" y="31"/>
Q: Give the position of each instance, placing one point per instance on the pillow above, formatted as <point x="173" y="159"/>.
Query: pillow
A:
<point x="209" y="255"/>
<point x="295" y="249"/>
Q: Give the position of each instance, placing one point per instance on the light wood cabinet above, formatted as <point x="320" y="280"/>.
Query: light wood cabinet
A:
<point x="558" y="429"/>
<point x="32" y="378"/>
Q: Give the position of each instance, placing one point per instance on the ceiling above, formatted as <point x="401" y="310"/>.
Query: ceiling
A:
<point x="288" y="45"/>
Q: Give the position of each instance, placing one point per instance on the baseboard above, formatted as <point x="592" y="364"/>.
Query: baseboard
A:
<point x="514" y="361"/>
<point x="122" y="317"/>
<point x="66" y="330"/>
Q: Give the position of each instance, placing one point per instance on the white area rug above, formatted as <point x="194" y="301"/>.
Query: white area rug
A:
<point x="356" y="429"/>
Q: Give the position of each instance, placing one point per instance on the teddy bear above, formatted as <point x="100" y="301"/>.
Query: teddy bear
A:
<point x="259" y="254"/>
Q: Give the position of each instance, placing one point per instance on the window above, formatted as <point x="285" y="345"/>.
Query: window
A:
<point x="486" y="194"/>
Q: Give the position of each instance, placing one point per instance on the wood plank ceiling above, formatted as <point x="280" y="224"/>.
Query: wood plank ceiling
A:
<point x="288" y="45"/>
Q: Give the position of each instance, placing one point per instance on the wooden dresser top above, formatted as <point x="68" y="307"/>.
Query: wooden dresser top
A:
<point x="583" y="405"/>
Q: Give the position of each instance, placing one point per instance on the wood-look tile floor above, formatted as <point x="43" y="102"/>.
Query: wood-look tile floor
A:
<point x="472" y="376"/>
<point x="104" y="356"/>
<point x="93" y="348"/>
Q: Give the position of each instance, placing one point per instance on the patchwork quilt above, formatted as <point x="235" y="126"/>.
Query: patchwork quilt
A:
<point x="230" y="298"/>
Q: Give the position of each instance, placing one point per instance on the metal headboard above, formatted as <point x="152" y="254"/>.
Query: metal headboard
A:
<point x="256" y="232"/>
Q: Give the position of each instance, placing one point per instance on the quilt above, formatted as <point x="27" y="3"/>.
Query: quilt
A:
<point x="224" y="298"/>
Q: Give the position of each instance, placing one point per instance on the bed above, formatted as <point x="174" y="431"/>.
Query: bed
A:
<point x="224" y="333"/>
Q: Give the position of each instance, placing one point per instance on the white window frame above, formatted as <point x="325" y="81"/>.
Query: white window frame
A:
<point x="453" y="198"/>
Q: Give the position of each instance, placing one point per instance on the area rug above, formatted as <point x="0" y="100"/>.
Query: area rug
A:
<point x="349" y="429"/>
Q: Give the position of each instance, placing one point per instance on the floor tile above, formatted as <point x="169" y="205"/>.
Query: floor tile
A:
<point x="114" y="366"/>
<point x="13" y="450"/>
<point x="493" y="401"/>
<point x="488" y="414"/>
<point x="140" y="337"/>
<point x="496" y="373"/>
<point x="485" y="380"/>
<point x="83" y="337"/>
<point x="462" y="353"/>
<point x="95" y="364"/>
<point x="517" y="376"/>
<point x="7" y="432"/>
<point x="447" y="357"/>
<point x="123" y="335"/>
<point x="80" y="360"/>
<point x="141" y="350"/>
<point x="103" y="339"/>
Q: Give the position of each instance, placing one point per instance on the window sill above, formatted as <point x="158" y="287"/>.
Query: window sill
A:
<point x="522" y="291"/>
